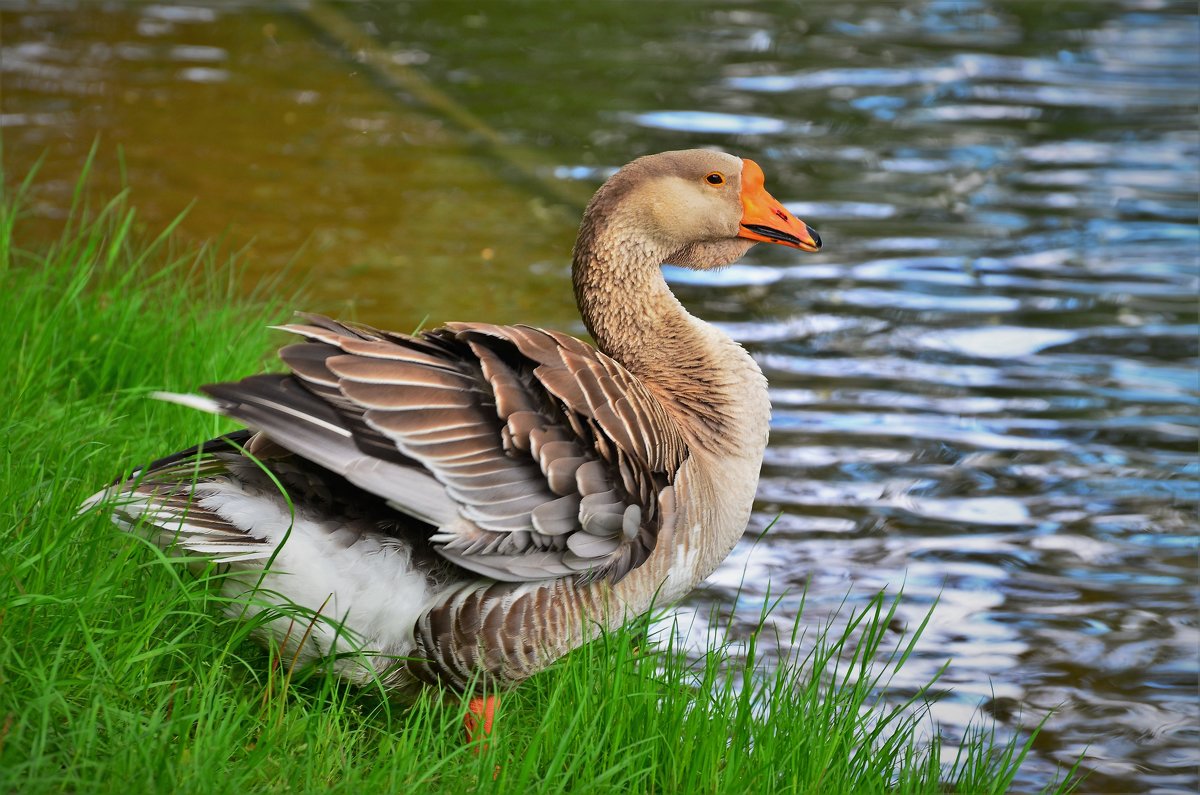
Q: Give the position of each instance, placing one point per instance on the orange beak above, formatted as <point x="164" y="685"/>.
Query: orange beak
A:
<point x="765" y="219"/>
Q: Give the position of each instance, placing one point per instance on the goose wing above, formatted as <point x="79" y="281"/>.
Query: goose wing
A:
<point x="533" y="454"/>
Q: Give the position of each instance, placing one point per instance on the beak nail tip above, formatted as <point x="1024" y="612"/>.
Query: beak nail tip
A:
<point x="813" y="234"/>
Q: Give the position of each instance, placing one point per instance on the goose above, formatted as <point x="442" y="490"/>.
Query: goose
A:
<point x="461" y="507"/>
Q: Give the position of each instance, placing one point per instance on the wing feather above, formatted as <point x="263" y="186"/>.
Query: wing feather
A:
<point x="534" y="455"/>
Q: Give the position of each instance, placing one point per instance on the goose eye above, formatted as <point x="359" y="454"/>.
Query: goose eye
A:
<point x="715" y="178"/>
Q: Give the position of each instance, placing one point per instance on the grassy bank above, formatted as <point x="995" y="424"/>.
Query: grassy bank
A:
<point x="118" y="673"/>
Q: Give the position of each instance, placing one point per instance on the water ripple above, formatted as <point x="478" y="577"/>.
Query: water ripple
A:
<point x="708" y="122"/>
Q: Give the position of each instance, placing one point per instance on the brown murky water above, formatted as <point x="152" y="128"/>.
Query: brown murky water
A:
<point x="277" y="146"/>
<point x="985" y="388"/>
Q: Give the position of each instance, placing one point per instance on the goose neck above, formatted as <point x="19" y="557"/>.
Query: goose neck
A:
<point x="704" y="379"/>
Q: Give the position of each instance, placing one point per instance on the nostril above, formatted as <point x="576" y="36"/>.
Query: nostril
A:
<point x="813" y="234"/>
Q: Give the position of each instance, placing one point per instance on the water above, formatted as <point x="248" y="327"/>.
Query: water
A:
<point x="985" y="388"/>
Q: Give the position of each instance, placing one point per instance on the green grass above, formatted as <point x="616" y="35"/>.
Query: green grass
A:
<point x="118" y="672"/>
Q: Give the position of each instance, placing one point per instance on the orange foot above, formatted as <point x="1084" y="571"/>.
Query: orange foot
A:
<point x="478" y="723"/>
<point x="478" y="720"/>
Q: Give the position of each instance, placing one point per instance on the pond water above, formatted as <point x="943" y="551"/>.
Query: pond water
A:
<point x="985" y="387"/>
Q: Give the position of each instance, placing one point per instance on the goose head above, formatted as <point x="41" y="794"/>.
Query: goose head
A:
<point x="696" y="208"/>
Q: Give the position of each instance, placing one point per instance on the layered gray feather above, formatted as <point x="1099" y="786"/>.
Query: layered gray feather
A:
<point x="534" y="455"/>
